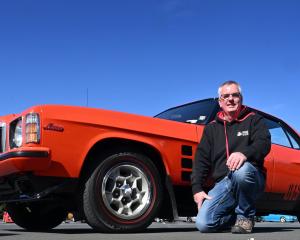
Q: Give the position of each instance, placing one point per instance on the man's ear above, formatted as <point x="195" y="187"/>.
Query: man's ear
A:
<point x="219" y="101"/>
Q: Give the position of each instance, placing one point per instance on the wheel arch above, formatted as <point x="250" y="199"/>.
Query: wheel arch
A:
<point x="108" y="146"/>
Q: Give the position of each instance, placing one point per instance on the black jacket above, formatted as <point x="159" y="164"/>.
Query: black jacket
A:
<point x="248" y="135"/>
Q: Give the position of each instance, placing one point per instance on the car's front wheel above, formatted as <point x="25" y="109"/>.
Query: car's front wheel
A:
<point x="123" y="194"/>
<point x="36" y="216"/>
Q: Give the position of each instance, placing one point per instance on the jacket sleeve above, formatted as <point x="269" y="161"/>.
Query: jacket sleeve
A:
<point x="202" y="162"/>
<point x="260" y="141"/>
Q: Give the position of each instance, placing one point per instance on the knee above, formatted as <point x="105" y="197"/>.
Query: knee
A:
<point x="203" y="226"/>
<point x="246" y="174"/>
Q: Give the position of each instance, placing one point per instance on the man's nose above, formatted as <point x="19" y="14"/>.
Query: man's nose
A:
<point x="230" y="97"/>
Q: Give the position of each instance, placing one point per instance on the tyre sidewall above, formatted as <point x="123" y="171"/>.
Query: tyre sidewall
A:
<point x="103" y="214"/>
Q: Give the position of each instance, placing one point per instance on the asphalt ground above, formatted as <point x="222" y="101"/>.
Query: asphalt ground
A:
<point x="157" y="231"/>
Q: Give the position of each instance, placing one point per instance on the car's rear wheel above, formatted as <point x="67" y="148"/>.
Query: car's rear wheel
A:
<point x="36" y="216"/>
<point x="123" y="194"/>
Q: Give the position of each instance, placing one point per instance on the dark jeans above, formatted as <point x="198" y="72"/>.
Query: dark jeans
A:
<point x="233" y="197"/>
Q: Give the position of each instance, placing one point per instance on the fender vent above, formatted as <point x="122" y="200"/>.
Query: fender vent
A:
<point x="186" y="150"/>
<point x="186" y="176"/>
<point x="186" y="163"/>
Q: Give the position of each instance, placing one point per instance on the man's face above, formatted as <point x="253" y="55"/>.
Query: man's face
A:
<point x="230" y="99"/>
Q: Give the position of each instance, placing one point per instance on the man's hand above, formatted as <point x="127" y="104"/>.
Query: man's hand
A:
<point x="235" y="161"/>
<point x="199" y="198"/>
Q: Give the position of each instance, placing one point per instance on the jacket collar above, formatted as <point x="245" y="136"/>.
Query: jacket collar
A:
<point x="244" y="113"/>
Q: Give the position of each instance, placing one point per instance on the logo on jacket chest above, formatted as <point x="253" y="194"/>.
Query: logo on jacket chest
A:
<point x="243" y="133"/>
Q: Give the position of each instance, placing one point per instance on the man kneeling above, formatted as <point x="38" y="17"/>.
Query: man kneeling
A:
<point x="232" y="149"/>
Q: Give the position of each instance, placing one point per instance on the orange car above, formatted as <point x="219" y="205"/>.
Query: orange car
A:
<point x="119" y="171"/>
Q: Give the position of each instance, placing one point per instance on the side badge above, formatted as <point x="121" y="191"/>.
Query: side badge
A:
<point x="52" y="127"/>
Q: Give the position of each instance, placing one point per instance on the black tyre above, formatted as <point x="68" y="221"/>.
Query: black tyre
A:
<point x="36" y="216"/>
<point x="123" y="194"/>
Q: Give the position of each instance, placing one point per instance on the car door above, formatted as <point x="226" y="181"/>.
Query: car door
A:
<point x="283" y="172"/>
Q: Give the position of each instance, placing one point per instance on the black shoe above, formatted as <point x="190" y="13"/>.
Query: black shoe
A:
<point x="243" y="225"/>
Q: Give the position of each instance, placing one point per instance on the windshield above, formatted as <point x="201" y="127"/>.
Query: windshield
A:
<point x="200" y="112"/>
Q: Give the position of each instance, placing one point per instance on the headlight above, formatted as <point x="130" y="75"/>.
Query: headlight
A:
<point x="18" y="139"/>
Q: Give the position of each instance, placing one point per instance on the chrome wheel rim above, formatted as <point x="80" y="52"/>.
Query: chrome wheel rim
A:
<point x="126" y="191"/>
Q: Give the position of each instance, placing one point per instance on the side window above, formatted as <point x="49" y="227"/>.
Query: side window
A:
<point x="280" y="136"/>
<point x="294" y="143"/>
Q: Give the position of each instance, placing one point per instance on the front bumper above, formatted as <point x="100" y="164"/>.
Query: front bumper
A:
<point x="24" y="159"/>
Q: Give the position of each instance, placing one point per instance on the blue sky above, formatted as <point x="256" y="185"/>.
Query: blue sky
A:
<point x="143" y="56"/>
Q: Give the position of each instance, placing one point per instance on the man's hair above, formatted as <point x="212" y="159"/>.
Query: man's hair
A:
<point x="229" y="82"/>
